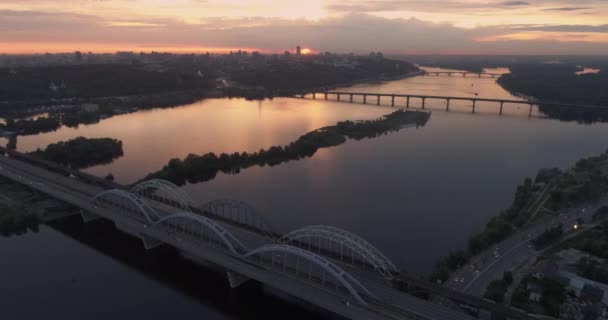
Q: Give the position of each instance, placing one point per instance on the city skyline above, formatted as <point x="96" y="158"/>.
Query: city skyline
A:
<point x="397" y="27"/>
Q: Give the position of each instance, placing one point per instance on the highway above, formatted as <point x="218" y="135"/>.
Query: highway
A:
<point x="490" y="265"/>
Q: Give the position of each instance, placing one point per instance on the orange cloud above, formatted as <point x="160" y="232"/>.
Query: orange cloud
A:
<point x="589" y="37"/>
<point x="62" y="47"/>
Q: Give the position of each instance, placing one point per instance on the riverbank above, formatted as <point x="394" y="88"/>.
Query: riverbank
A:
<point x="551" y="191"/>
<point x="560" y="84"/>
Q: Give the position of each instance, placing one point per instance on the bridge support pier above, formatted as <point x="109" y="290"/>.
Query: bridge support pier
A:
<point x="364" y="99"/>
<point x="326" y="96"/>
<point x="150" y="243"/>
<point x="530" y="113"/>
<point x="392" y="100"/>
<point x="501" y="106"/>
<point x="423" y="102"/>
<point x="87" y="216"/>
<point x="351" y="98"/>
<point x="378" y="100"/>
<point x="474" y="103"/>
<point x="338" y="96"/>
<point x="235" y="279"/>
<point x="407" y="105"/>
<point x="314" y="95"/>
<point x="447" y="105"/>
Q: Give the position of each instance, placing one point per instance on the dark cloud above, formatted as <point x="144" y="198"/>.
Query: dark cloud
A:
<point x="567" y="9"/>
<point x="564" y="28"/>
<point x="515" y="3"/>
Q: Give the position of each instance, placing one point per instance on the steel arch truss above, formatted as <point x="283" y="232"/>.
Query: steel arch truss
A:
<point x="341" y="245"/>
<point x="165" y="192"/>
<point x="314" y="267"/>
<point x="127" y="201"/>
<point x="238" y="212"/>
<point x="201" y="228"/>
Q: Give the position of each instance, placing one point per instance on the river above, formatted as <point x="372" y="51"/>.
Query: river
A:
<point x="415" y="194"/>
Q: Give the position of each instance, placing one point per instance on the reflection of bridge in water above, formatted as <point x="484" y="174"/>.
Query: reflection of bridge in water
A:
<point x="407" y="99"/>
<point x="324" y="266"/>
<point x="464" y="74"/>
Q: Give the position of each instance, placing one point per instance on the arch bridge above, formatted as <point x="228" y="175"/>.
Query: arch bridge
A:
<point x="328" y="267"/>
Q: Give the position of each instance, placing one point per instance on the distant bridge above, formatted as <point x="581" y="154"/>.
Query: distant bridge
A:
<point x="326" y="266"/>
<point x="463" y="74"/>
<point x="407" y="99"/>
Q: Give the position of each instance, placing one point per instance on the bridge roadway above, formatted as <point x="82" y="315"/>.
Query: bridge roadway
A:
<point x="423" y="98"/>
<point x="388" y="303"/>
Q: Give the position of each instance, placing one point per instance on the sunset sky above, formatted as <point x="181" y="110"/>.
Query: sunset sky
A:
<point x="425" y="26"/>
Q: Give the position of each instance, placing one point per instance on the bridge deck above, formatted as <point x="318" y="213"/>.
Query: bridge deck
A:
<point x="449" y="98"/>
<point x="392" y="304"/>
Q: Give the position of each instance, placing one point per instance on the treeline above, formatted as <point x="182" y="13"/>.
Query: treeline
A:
<point x="503" y="225"/>
<point x="82" y="152"/>
<point x="57" y="82"/>
<point x="285" y="75"/>
<point x="31" y="126"/>
<point x="586" y="182"/>
<point x="498" y="288"/>
<point x="195" y="168"/>
<point x="13" y="222"/>
<point x="595" y="242"/>
<point x="548" y="237"/>
<point x="559" y="83"/>
<point x="75" y="116"/>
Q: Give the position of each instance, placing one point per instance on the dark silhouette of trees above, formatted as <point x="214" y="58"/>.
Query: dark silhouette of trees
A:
<point x="82" y="152"/>
<point x="14" y="222"/>
<point x="559" y="83"/>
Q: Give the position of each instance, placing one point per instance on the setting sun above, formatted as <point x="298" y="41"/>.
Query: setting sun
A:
<point x="306" y="51"/>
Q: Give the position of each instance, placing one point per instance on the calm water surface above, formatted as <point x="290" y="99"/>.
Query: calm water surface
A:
<point x="415" y="194"/>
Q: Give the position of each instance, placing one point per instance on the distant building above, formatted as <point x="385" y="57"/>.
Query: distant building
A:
<point x="578" y="284"/>
<point x="298" y="51"/>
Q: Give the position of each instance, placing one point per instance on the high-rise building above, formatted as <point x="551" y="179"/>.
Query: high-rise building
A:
<point x="298" y="51"/>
